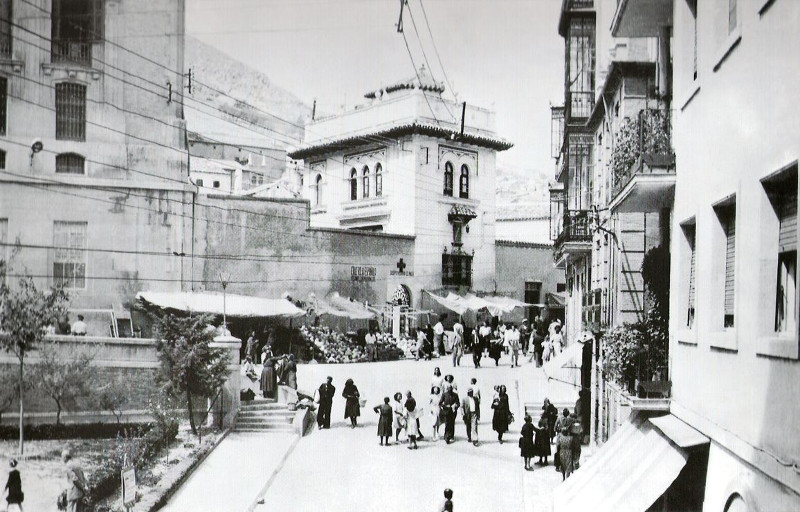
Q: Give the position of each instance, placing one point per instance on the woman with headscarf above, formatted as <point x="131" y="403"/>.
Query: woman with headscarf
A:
<point x="399" y="421"/>
<point x="502" y="413"/>
<point x="352" y="408"/>
<point x="269" y="379"/>
<point x="527" y="447"/>
<point x="436" y="397"/>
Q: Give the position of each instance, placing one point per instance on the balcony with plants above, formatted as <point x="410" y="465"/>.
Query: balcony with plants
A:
<point x="575" y="236"/>
<point x="643" y="163"/>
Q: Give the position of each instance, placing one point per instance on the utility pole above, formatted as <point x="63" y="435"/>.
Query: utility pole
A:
<point x="400" y="20"/>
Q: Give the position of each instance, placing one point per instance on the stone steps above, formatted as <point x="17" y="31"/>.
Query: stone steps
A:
<point x="264" y="415"/>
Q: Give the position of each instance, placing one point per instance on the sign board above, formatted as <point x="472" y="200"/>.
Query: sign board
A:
<point x="128" y="487"/>
<point x="360" y="273"/>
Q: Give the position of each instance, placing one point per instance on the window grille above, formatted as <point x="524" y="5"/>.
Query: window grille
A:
<point x="463" y="182"/>
<point x="70" y="163"/>
<point x="69" y="260"/>
<point x="70" y="111"/>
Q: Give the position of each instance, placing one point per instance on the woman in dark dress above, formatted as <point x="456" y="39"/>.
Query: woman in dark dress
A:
<point x="550" y="412"/>
<point x="542" y="443"/>
<point x="527" y="447"/>
<point x="352" y="408"/>
<point x="501" y="414"/>
<point x="291" y="372"/>
<point x="14" y="487"/>
<point x="384" y="420"/>
<point x="269" y="379"/>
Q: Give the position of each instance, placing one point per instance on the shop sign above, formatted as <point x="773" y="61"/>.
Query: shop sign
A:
<point x="361" y="273"/>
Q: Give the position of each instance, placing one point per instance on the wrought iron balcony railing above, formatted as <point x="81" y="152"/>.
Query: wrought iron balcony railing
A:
<point x="576" y="227"/>
<point x="457" y="270"/>
<point x="71" y="51"/>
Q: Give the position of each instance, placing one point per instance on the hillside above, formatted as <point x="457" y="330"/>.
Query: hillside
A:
<point x="521" y="194"/>
<point x="271" y="114"/>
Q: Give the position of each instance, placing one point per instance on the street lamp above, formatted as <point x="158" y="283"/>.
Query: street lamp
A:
<point x="224" y="283"/>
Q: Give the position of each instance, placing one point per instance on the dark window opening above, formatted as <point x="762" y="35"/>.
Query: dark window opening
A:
<point x="457" y="270"/>
<point x="365" y="174"/>
<point x="448" y="179"/>
<point x="76" y="24"/>
<point x="378" y="180"/>
<point x="463" y="183"/>
<point x="70" y="163"/>
<point x="5" y="28"/>
<point x="353" y="184"/>
<point x="3" y="104"/>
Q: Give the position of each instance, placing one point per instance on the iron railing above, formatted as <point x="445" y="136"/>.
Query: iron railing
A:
<point x="576" y="227"/>
<point x="457" y="270"/>
<point x="71" y="51"/>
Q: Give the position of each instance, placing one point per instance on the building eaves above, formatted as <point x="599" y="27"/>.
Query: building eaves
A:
<point x="415" y="128"/>
<point x="525" y="245"/>
<point x="616" y="71"/>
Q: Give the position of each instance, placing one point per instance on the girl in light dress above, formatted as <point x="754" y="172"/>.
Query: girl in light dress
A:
<point x="410" y="415"/>
<point x="398" y="422"/>
<point x="436" y="396"/>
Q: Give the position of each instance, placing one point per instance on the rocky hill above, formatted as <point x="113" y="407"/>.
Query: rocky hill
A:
<point x="268" y="113"/>
<point x="521" y="194"/>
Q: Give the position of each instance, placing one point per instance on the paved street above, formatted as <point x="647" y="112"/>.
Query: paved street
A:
<point x="346" y="469"/>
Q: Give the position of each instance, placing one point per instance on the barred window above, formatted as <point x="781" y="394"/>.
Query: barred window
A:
<point x="70" y="111"/>
<point x="448" y="179"/>
<point x="3" y="104"/>
<point x="70" y="163"/>
<point x="69" y="260"/>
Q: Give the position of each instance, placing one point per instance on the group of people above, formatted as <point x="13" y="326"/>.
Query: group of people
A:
<point x="566" y="430"/>
<point x="282" y="369"/>
<point x="71" y="499"/>
<point x="339" y="348"/>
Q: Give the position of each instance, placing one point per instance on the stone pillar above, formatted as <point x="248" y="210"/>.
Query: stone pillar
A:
<point x="232" y="386"/>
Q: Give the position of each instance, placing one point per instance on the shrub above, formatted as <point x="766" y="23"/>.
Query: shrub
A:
<point x="71" y="431"/>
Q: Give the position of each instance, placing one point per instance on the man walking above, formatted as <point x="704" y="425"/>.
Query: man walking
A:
<point x="370" y="341"/>
<point x="449" y="404"/>
<point x="438" y="333"/>
<point x="483" y="342"/>
<point x="326" y="392"/>
<point x="471" y="415"/>
<point x="76" y="480"/>
<point x="513" y="345"/>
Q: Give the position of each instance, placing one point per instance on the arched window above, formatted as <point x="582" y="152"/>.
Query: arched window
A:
<point x="378" y="180"/>
<point x="365" y="174"/>
<point x="353" y="184"/>
<point x="318" y="191"/>
<point x="463" y="182"/>
<point x="70" y="163"/>
<point x="448" y="179"/>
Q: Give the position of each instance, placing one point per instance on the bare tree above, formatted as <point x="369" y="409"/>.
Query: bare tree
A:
<point x="65" y="374"/>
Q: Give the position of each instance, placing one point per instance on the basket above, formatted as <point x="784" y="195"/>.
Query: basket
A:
<point x="362" y="402"/>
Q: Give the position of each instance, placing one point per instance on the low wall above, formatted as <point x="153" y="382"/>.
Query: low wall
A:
<point x="133" y="360"/>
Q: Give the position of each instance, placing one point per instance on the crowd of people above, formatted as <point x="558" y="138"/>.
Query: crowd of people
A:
<point x="337" y="347"/>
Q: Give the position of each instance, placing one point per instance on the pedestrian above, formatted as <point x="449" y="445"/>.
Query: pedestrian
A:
<point x="449" y="403"/>
<point x="558" y="341"/>
<point x="352" y="408"/>
<point x="564" y="445"/>
<point x="484" y="334"/>
<point x="412" y="425"/>
<point x="457" y="346"/>
<point x="411" y="404"/>
<point x="399" y="422"/>
<point x="269" y="379"/>
<point x="524" y="334"/>
<point x="251" y="344"/>
<point x="527" y="446"/>
<point x="438" y="333"/>
<point x="547" y="349"/>
<point x="326" y="393"/>
<point x="370" y="341"/>
<point x="76" y="483"/>
<point x="290" y="372"/>
<point x="550" y="412"/>
<point x="433" y="401"/>
<point x="79" y="328"/>
<point x="502" y="414"/>
<point x="449" y="379"/>
<point x="560" y="423"/>
<point x="513" y="337"/>
<point x="250" y="369"/>
<point x="437" y="378"/>
<point x="542" y="442"/>
<point x="421" y="340"/>
<point x="384" y="420"/>
<point x="15" y="496"/>
<point x="496" y="347"/>
<point x="476" y="391"/>
<point x="447" y="504"/>
<point x="576" y="431"/>
<point x="471" y="416"/>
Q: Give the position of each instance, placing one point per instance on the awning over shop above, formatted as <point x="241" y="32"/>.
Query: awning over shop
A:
<point x="556" y="300"/>
<point x="631" y="471"/>
<point x="214" y="303"/>
<point x="496" y="305"/>
<point x="353" y="309"/>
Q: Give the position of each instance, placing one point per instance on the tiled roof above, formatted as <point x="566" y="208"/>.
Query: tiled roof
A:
<point x="421" y="80"/>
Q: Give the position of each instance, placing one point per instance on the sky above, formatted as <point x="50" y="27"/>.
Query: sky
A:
<point x="500" y="54"/>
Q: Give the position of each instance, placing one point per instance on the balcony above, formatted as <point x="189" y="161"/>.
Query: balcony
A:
<point x="5" y="45"/>
<point x="71" y="52"/>
<point x="641" y="18"/>
<point x="579" y="105"/>
<point x="457" y="270"/>
<point x="643" y="164"/>
<point x="575" y="237"/>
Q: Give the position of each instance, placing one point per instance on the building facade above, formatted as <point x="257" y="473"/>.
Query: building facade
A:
<point x="93" y="181"/>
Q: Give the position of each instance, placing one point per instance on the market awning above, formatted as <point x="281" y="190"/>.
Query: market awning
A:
<point x="354" y="309"/>
<point x="214" y="303"/>
<point x="630" y="472"/>
<point x="556" y="300"/>
<point x="460" y="304"/>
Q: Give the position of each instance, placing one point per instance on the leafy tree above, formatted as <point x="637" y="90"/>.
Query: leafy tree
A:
<point x="114" y="396"/>
<point x="64" y="373"/>
<point x="190" y="367"/>
<point x="24" y="315"/>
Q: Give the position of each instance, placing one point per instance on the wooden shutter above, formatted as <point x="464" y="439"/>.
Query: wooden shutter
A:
<point x="692" y="275"/>
<point x="729" y="222"/>
<point x="787" y="234"/>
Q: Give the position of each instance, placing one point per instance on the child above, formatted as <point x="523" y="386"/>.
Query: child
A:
<point x="447" y="505"/>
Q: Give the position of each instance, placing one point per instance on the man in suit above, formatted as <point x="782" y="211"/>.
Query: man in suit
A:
<point x="326" y="392"/>
<point x="449" y="404"/>
<point x="471" y="415"/>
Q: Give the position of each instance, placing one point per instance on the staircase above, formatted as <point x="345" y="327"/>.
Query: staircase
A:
<point x="534" y="410"/>
<point x="264" y="415"/>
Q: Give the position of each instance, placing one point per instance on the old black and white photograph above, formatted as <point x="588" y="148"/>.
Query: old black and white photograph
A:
<point x="399" y="255"/>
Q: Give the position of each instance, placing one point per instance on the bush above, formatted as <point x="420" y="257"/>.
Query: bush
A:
<point x="71" y="431"/>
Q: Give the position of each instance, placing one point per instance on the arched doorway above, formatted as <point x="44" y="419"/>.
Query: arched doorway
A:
<point x="401" y="296"/>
